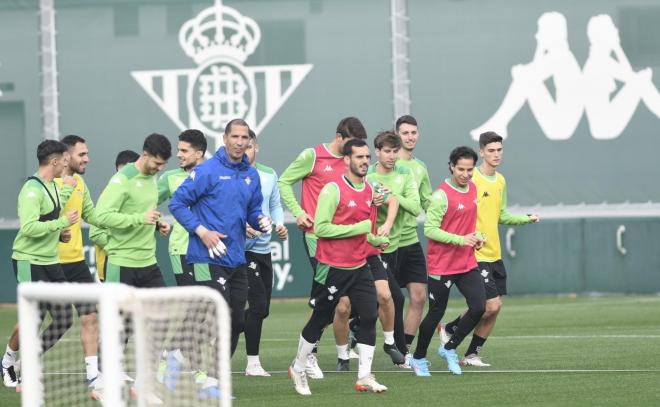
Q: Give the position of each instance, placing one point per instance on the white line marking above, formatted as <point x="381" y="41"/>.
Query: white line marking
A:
<point x="613" y="336"/>
<point x="408" y="371"/>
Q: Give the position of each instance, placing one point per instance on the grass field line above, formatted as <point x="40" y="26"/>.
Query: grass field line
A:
<point x="603" y="336"/>
<point x="642" y="336"/>
<point x="407" y="371"/>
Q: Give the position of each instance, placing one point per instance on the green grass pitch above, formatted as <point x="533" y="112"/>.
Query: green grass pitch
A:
<point x="545" y="351"/>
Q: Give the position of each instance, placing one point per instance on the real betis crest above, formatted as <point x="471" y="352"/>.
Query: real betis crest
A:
<point x="219" y="40"/>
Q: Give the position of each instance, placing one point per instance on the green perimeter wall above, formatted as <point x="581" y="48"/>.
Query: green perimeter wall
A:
<point x="461" y="55"/>
<point x="554" y="256"/>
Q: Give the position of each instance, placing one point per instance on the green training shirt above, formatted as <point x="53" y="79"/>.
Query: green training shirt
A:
<point x="121" y="208"/>
<point x="419" y="171"/>
<point x="37" y="241"/>
<point x="404" y="187"/>
<point x="301" y="167"/>
<point x="167" y="184"/>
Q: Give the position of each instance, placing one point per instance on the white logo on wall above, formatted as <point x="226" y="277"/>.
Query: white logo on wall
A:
<point x="219" y="40"/>
<point x="592" y="89"/>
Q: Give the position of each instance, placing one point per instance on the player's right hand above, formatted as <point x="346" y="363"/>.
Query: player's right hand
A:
<point x="151" y="217"/>
<point x="251" y="233"/>
<point x="69" y="180"/>
<point x="471" y="240"/>
<point x="379" y="199"/>
<point x="218" y="250"/>
<point x="72" y="216"/>
<point x="384" y="229"/>
<point x="212" y="239"/>
<point x="65" y="236"/>
<point x="304" y="221"/>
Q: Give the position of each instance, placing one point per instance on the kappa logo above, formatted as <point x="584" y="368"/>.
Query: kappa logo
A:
<point x="606" y="90"/>
<point x="351" y="204"/>
<point x="431" y="297"/>
<point x="312" y="302"/>
<point x="485" y="195"/>
<point x="219" y="40"/>
<point x="138" y="184"/>
<point x="116" y="180"/>
<point x="368" y="202"/>
<point x="460" y="206"/>
<point x="328" y="168"/>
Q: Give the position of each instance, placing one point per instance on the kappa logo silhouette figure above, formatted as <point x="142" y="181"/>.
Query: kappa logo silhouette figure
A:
<point x="608" y="116"/>
<point x="576" y="91"/>
<point x="219" y="40"/>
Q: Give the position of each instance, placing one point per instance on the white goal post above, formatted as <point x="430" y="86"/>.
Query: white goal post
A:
<point x="138" y="329"/>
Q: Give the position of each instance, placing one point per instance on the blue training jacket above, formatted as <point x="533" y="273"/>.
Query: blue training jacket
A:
<point x="220" y="195"/>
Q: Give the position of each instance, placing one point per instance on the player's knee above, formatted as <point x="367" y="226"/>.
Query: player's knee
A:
<point x="343" y="309"/>
<point x="492" y="308"/>
<point x="238" y="321"/>
<point x="260" y="310"/>
<point x="89" y="320"/>
<point x="369" y="318"/>
<point x="384" y="298"/>
<point x="477" y="311"/>
<point x="418" y="298"/>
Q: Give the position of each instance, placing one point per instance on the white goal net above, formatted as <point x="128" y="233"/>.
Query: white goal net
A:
<point x="164" y="346"/>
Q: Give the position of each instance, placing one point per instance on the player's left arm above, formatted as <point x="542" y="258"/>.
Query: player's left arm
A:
<point x="425" y="190"/>
<point x="376" y="240"/>
<point x="88" y="212"/>
<point x="164" y="192"/>
<point x="65" y="192"/>
<point x="507" y="218"/>
<point x="325" y="212"/>
<point x="434" y="215"/>
<point x="409" y="198"/>
<point x="98" y="236"/>
<point x="275" y="203"/>
<point x="254" y="205"/>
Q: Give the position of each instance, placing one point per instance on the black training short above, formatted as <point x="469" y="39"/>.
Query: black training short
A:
<point x="79" y="272"/>
<point x="377" y="267"/>
<point x="140" y="277"/>
<point x="183" y="272"/>
<point x="410" y="265"/>
<point x="333" y="283"/>
<point x="494" y="275"/>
